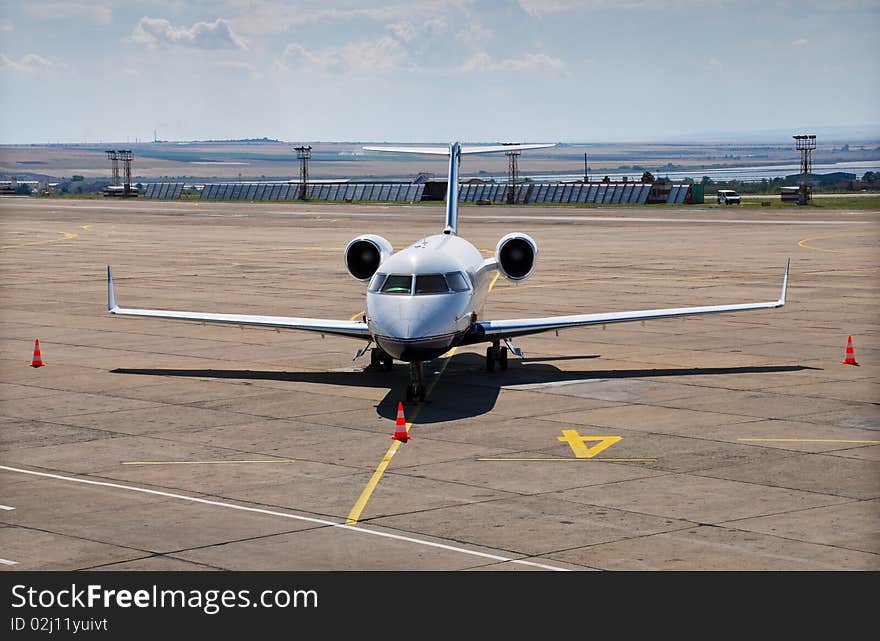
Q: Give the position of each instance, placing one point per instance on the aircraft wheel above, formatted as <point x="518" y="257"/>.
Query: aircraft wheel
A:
<point x="502" y="358"/>
<point x="387" y="363"/>
<point x="375" y="358"/>
<point x="490" y="359"/>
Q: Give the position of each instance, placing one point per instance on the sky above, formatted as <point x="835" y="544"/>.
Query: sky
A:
<point x="434" y="70"/>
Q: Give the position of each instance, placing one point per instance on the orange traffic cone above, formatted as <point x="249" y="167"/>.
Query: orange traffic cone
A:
<point x="401" y="434"/>
<point x="850" y="353"/>
<point x="38" y="358"/>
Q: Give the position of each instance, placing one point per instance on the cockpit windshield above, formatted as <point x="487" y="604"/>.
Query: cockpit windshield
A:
<point x="424" y="283"/>
<point x="457" y="282"/>
<point x="431" y="284"/>
<point x="376" y="282"/>
<point x="397" y="284"/>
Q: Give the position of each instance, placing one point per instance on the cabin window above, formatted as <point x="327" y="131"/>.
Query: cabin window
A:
<point x="457" y="282"/>
<point x="376" y="282"/>
<point x="397" y="284"/>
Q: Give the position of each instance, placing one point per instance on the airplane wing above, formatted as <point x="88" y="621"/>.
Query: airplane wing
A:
<point x="351" y="329"/>
<point x="487" y="330"/>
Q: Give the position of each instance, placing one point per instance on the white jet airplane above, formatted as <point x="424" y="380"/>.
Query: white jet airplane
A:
<point x="428" y="297"/>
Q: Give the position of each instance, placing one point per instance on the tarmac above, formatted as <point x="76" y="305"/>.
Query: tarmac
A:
<point x="731" y="442"/>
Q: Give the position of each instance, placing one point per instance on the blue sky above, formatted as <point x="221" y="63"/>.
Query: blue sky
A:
<point x="428" y="70"/>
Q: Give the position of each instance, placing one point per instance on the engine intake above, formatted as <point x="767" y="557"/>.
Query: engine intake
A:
<point x="364" y="254"/>
<point x="516" y="254"/>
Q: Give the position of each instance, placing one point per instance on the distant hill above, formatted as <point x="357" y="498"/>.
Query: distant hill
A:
<point x="264" y="139"/>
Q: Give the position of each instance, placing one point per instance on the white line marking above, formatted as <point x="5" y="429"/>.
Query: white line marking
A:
<point x="5" y="562"/>
<point x="285" y="515"/>
<point x="6" y="507"/>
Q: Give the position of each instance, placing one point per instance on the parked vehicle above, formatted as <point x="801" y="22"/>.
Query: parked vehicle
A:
<point x="728" y="197"/>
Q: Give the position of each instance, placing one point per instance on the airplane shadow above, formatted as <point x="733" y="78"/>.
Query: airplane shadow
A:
<point x="467" y="389"/>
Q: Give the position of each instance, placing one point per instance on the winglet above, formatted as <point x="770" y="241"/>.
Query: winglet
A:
<point x="111" y="291"/>
<point x="784" y="283"/>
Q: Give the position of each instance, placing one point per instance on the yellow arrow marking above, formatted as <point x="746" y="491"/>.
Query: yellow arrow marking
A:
<point x="578" y="443"/>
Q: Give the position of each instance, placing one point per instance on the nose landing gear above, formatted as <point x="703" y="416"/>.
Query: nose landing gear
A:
<point x="416" y="390"/>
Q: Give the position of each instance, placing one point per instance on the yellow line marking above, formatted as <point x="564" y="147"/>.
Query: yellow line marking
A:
<point x="804" y="244"/>
<point x="66" y="235"/>
<point x="359" y="505"/>
<point x="203" y="462"/>
<point x="578" y="443"/>
<point x="355" y="514"/>
<point x="358" y="315"/>
<point x="804" y="440"/>
<point x="585" y="460"/>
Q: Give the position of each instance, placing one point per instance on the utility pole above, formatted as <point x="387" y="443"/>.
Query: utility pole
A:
<point x="586" y="171"/>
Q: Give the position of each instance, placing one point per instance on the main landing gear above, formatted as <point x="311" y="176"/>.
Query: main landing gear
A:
<point x="380" y="360"/>
<point x="496" y="355"/>
<point x="416" y="389"/>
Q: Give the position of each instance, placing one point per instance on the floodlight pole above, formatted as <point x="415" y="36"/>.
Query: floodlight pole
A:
<point x="303" y="152"/>
<point x="113" y="155"/>
<point x="805" y="143"/>
<point x="126" y="157"/>
<point x="512" y="173"/>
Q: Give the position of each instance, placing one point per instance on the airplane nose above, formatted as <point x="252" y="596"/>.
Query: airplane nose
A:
<point x="397" y="327"/>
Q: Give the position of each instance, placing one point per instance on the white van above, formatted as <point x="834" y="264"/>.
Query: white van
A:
<point x="728" y="197"/>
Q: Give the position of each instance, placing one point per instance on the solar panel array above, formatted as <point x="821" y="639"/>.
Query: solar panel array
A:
<point x="387" y="192"/>
<point x="602" y="193"/>
<point x="164" y="191"/>
<point x="677" y="194"/>
<point x="494" y="192"/>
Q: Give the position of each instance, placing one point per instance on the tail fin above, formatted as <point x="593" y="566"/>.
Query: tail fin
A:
<point x="455" y="151"/>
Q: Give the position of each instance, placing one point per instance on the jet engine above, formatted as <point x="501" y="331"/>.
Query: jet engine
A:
<point x="516" y="254"/>
<point x="364" y="254"/>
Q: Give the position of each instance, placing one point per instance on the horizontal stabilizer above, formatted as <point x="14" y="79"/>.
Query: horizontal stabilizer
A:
<point x="445" y="151"/>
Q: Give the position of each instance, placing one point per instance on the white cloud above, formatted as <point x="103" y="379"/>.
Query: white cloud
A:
<point x="384" y="54"/>
<point x="6" y="25"/>
<point x="29" y="63"/>
<point x="96" y="12"/>
<point x="528" y="62"/>
<point x="202" y="35"/>
<point x="540" y="7"/>
<point x="800" y="42"/>
<point x="404" y="44"/>
<point x="474" y="35"/>
<point x="270" y="16"/>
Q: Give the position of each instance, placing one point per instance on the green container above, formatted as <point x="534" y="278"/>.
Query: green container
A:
<point x="697" y="194"/>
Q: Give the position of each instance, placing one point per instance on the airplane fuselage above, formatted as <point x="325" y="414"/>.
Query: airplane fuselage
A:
<point x="424" y="299"/>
